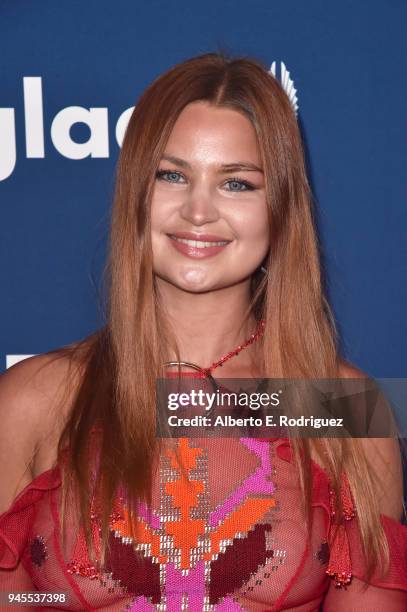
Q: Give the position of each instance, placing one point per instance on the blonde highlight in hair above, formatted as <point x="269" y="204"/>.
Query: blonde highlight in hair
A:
<point x="120" y="363"/>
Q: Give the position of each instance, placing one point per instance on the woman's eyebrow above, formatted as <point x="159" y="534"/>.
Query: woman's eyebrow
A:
<point x="236" y="166"/>
<point x="232" y="167"/>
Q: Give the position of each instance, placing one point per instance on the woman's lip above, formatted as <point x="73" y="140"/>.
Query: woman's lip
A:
<point x="202" y="237"/>
<point x="196" y="252"/>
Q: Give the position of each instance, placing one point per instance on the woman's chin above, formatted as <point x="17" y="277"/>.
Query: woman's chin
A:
<point x="193" y="285"/>
<point x="196" y="282"/>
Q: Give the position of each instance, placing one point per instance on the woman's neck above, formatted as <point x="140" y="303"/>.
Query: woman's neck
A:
<point x="209" y="325"/>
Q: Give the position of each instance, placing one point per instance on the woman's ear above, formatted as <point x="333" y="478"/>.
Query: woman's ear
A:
<point x="265" y="262"/>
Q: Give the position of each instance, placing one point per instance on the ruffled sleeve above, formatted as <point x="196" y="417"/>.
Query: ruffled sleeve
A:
<point x="396" y="534"/>
<point x="16" y="522"/>
<point x="346" y="558"/>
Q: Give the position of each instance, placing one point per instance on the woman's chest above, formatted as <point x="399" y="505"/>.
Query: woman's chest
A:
<point x="224" y="532"/>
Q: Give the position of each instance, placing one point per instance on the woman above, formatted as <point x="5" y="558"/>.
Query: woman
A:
<point x="213" y="254"/>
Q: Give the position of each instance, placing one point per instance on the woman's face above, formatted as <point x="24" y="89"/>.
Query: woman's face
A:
<point x="209" y="188"/>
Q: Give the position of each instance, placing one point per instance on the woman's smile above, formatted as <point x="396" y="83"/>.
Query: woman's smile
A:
<point x="198" y="246"/>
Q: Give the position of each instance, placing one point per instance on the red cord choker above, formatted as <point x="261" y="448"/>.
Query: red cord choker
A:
<point x="206" y="372"/>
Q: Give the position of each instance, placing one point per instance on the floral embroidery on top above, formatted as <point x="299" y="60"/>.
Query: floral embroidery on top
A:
<point x="38" y="550"/>
<point x="186" y="551"/>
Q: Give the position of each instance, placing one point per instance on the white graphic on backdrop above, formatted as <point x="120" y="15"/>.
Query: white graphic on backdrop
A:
<point x="7" y="142"/>
<point x="95" y="118"/>
<point x="97" y="145"/>
<point x="34" y="117"/>
<point x="287" y="83"/>
<point x="13" y="359"/>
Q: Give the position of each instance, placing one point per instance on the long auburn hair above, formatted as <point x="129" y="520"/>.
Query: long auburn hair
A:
<point x="116" y="368"/>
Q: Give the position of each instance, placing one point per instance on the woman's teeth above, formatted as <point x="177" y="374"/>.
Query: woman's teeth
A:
<point x="199" y="243"/>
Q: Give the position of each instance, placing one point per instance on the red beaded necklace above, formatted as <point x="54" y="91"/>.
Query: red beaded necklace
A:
<point x="206" y="372"/>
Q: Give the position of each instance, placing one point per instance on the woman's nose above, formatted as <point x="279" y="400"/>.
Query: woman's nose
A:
<point x="199" y="206"/>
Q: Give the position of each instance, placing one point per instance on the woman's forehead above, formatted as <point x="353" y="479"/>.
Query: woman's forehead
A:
<point x="204" y="133"/>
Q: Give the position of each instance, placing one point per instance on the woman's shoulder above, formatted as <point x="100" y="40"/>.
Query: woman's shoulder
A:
<point x="34" y="398"/>
<point x="31" y="388"/>
<point x="346" y="369"/>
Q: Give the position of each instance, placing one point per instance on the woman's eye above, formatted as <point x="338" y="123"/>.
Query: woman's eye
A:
<point x="172" y="176"/>
<point x="236" y="185"/>
<point x="169" y="175"/>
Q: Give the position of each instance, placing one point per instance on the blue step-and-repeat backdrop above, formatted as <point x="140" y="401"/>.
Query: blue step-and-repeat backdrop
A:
<point x="71" y="71"/>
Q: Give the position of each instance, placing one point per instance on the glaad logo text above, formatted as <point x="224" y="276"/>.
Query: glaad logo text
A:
<point x="96" y="119"/>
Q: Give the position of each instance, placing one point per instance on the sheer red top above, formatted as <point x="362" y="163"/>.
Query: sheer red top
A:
<point x="224" y="534"/>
